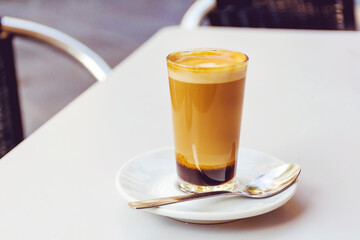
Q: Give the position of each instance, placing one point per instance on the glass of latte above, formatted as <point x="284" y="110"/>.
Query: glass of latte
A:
<point x="207" y="92"/>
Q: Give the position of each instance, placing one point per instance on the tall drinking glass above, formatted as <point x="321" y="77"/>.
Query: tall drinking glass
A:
<point x="207" y="91"/>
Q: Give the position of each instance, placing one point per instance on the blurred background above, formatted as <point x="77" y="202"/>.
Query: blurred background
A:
<point x="48" y="80"/>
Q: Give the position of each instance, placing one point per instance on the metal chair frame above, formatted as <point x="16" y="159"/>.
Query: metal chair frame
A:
<point x="196" y="13"/>
<point x="84" y="55"/>
<point x="11" y="125"/>
<point x="199" y="9"/>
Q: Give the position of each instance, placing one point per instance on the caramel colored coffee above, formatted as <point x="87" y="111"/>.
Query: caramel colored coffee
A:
<point x="207" y="90"/>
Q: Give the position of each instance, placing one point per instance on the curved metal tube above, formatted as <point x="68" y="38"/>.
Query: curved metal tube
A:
<point x="196" y="13"/>
<point x="88" y="58"/>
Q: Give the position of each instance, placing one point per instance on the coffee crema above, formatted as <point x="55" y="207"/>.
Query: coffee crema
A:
<point x="207" y="89"/>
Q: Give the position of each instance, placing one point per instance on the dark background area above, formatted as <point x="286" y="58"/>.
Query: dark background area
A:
<point x="48" y="80"/>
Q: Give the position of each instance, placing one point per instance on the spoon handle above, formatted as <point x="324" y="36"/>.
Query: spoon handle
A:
<point x="170" y="200"/>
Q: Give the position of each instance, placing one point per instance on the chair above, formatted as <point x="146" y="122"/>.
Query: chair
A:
<point x="11" y="130"/>
<point x="294" y="14"/>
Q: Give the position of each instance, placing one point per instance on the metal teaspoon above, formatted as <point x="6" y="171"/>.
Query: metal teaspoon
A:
<point x="266" y="185"/>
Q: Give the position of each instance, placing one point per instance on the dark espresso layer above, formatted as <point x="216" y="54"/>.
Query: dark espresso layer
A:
<point x="206" y="177"/>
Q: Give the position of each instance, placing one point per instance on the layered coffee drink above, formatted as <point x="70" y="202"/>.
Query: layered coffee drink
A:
<point x="207" y="91"/>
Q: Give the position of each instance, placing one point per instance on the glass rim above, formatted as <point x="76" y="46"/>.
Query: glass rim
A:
<point x="178" y="65"/>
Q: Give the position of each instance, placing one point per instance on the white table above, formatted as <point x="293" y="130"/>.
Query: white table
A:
<point x="302" y="105"/>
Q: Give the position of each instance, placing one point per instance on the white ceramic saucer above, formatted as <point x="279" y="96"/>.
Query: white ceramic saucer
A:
<point x="153" y="174"/>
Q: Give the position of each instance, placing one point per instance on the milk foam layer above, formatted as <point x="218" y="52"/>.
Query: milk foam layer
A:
<point x="207" y="66"/>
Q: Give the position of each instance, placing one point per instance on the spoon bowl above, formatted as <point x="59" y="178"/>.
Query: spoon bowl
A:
<point x="266" y="185"/>
<point x="272" y="182"/>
